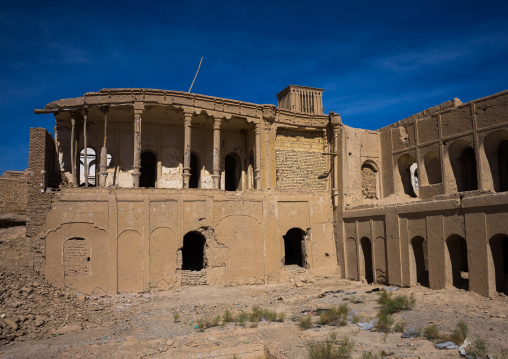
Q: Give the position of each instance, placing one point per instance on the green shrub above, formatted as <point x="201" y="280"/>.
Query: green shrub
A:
<point x="394" y="304"/>
<point x="477" y="349"/>
<point x="227" y="317"/>
<point x="305" y="322"/>
<point x="176" y="318"/>
<point x="385" y="322"/>
<point x="242" y="318"/>
<point x="459" y="334"/>
<point x="400" y="327"/>
<point x="335" y="315"/>
<point x="281" y="317"/>
<point x="431" y="332"/>
<point x="330" y="350"/>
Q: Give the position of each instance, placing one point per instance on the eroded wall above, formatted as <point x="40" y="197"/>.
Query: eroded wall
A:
<point x="131" y="240"/>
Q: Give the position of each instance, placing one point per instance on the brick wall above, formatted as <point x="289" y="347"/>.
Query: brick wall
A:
<point x="299" y="160"/>
<point x="13" y="193"/>
<point x="41" y="162"/>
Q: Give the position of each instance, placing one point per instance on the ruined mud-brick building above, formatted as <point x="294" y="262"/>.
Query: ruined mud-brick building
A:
<point x="13" y="191"/>
<point x="145" y="189"/>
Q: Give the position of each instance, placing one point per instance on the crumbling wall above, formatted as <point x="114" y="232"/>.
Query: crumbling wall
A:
<point x="300" y="163"/>
<point x="13" y="195"/>
<point x="40" y="175"/>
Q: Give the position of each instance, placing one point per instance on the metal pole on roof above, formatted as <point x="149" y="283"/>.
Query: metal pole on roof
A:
<point x="192" y="84"/>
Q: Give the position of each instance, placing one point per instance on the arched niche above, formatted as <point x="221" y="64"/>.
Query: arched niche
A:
<point x="370" y="180"/>
<point x="366" y="268"/>
<point x="495" y="147"/>
<point x="462" y="159"/>
<point x="408" y="175"/>
<point x="457" y="266"/>
<point x="498" y="263"/>
<point x="418" y="265"/>
<point x="432" y="165"/>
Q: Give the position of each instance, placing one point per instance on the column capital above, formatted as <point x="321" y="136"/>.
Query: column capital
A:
<point x="217" y="121"/>
<point x="138" y="107"/>
<point x="188" y="118"/>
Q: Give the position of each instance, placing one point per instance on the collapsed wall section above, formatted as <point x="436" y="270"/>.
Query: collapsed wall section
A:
<point x="300" y="161"/>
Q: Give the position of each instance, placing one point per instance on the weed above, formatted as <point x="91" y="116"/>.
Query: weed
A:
<point x="330" y="350"/>
<point x="242" y="318"/>
<point x="201" y="325"/>
<point x="391" y="304"/>
<point x="459" y="334"/>
<point x="477" y="350"/>
<point x="368" y="355"/>
<point x="385" y="322"/>
<point x="270" y="315"/>
<point x="431" y="332"/>
<point x="281" y="317"/>
<point x="335" y="315"/>
<point x="176" y="318"/>
<point x="400" y="327"/>
<point x="227" y="317"/>
<point x="255" y="315"/>
<point x="305" y="322"/>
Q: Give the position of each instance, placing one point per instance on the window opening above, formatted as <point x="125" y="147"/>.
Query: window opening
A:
<point x="91" y="161"/>
<point x="193" y="252"/>
<point x="231" y="176"/>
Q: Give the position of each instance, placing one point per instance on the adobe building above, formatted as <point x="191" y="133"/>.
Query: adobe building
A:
<point x="144" y="189"/>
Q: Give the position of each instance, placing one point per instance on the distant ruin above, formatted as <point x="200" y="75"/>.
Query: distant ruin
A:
<point x="144" y="189"/>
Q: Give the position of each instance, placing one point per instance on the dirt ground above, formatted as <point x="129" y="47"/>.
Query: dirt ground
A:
<point x="39" y="321"/>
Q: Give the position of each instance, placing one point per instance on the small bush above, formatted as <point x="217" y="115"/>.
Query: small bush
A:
<point x="227" y="317"/>
<point x="330" y="350"/>
<point x="242" y="318"/>
<point x="431" y="332"/>
<point x="201" y="325"/>
<point x="385" y="322"/>
<point x="400" y="327"/>
<point x="477" y="349"/>
<point x="281" y="317"/>
<point x="305" y="322"/>
<point x="459" y="334"/>
<point x="391" y="304"/>
<point x="335" y="315"/>
<point x="368" y="355"/>
<point x="176" y="318"/>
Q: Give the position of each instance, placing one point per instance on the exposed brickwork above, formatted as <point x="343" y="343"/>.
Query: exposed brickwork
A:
<point x="13" y="195"/>
<point x="193" y="277"/>
<point x="41" y="161"/>
<point x="76" y="257"/>
<point x="368" y="182"/>
<point x="299" y="160"/>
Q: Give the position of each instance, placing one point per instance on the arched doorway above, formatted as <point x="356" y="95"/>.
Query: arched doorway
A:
<point x="232" y="175"/>
<point x="408" y="173"/>
<point x="367" y="259"/>
<point x="148" y="170"/>
<point x="458" y="270"/>
<point x="294" y="247"/>
<point x="463" y="162"/>
<point x="193" y="251"/>
<point x="432" y="165"/>
<point x="194" y="171"/>
<point x="419" y="269"/>
<point x="499" y="251"/>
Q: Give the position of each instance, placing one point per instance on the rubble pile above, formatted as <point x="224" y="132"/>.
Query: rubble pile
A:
<point x="30" y="308"/>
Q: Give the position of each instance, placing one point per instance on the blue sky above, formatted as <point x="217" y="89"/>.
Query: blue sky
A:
<point x="378" y="61"/>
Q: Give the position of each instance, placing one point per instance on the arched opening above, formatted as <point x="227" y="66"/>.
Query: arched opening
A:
<point x="369" y="181"/>
<point x="432" y="167"/>
<point x="232" y="172"/>
<point x="194" y="171"/>
<point x="458" y="271"/>
<point x="419" y="269"/>
<point x="496" y="151"/>
<point x="294" y="247"/>
<point x="499" y="251"/>
<point x="148" y="170"/>
<point x="408" y="173"/>
<point x="463" y="162"/>
<point x="193" y="251"/>
<point x="367" y="259"/>
<point x="91" y="159"/>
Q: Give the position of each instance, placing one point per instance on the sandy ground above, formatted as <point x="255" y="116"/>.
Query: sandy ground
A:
<point x="143" y="325"/>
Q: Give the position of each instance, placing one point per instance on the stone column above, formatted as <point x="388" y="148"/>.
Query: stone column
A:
<point x="103" y="174"/>
<point x="336" y="122"/>
<point x="216" y="152"/>
<point x="73" y="150"/>
<point x="138" y="111"/>
<point x="187" y="150"/>
<point x="257" y="152"/>
<point x="85" y="146"/>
